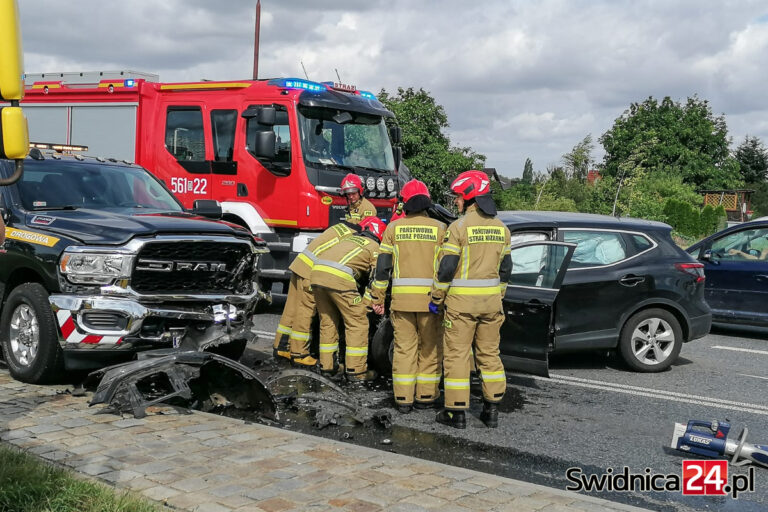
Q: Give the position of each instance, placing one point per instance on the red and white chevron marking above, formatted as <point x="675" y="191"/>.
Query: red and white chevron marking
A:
<point x="70" y="334"/>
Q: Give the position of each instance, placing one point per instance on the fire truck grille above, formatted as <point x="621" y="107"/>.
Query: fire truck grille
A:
<point x="193" y="268"/>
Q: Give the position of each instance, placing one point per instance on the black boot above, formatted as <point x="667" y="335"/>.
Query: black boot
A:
<point x="490" y="415"/>
<point x="425" y="405"/>
<point x="455" y="419"/>
<point x="404" y="408"/>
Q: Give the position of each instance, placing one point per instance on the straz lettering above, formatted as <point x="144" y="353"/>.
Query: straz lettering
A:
<point x="485" y="234"/>
<point x="415" y="234"/>
<point x="362" y="242"/>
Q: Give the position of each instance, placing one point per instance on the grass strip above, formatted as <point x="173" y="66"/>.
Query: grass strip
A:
<point x="28" y="484"/>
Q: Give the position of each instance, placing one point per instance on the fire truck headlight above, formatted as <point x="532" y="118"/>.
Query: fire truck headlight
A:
<point x="95" y="268"/>
<point x="370" y="183"/>
<point x="390" y="185"/>
<point x="381" y="184"/>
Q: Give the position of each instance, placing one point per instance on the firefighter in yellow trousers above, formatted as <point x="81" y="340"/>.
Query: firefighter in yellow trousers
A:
<point x="292" y="339"/>
<point x="470" y="282"/>
<point x="334" y="280"/>
<point x="408" y="255"/>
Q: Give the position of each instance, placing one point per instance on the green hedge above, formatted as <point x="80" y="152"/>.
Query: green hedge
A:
<point x="687" y="220"/>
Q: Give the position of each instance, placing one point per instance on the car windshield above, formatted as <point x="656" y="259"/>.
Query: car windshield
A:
<point x="346" y="139"/>
<point x="70" y="185"/>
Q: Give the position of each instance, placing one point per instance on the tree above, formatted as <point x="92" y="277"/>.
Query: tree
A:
<point x="578" y="160"/>
<point x="427" y="150"/>
<point x="527" y="172"/>
<point x="685" y="139"/>
<point x="753" y="160"/>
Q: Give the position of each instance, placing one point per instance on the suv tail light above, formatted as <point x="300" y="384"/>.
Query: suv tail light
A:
<point x="694" y="269"/>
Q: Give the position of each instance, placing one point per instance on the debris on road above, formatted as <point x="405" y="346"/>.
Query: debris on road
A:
<point x="184" y="380"/>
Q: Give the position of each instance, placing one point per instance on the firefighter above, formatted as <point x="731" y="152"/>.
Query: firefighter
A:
<point x="408" y="253"/>
<point x="293" y="330"/>
<point x="334" y="280"/>
<point x="470" y="282"/>
<point x="358" y="207"/>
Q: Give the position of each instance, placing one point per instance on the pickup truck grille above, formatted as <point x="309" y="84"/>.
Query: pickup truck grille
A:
<point x="191" y="267"/>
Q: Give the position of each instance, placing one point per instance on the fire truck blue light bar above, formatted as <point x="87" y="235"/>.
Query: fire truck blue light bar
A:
<point x="295" y="83"/>
<point x="369" y="95"/>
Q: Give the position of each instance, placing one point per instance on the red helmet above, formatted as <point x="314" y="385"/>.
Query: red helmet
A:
<point x="351" y="183"/>
<point x="374" y="225"/>
<point x="413" y="188"/>
<point x="471" y="184"/>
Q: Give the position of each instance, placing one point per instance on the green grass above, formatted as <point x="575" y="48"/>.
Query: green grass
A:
<point x="28" y="484"/>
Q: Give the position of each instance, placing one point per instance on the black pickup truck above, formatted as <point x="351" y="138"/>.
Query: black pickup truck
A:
<point x="100" y="262"/>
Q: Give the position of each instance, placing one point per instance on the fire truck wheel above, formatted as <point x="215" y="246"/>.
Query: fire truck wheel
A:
<point x="651" y="340"/>
<point x="382" y="345"/>
<point x="29" y="335"/>
<point x="233" y="350"/>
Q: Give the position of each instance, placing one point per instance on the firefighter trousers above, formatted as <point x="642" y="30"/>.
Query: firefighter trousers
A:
<point x="301" y="323"/>
<point x="462" y="332"/>
<point x="418" y="354"/>
<point x="335" y="307"/>
<point x="282" y="336"/>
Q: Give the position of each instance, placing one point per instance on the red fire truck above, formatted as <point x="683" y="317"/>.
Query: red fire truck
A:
<point x="271" y="152"/>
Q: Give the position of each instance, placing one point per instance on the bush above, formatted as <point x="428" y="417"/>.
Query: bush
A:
<point x="683" y="217"/>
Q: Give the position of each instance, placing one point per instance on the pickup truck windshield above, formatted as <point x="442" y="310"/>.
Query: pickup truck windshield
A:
<point x="70" y="185"/>
<point x="344" y="138"/>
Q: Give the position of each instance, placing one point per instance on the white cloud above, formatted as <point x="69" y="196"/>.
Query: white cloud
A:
<point x="518" y="78"/>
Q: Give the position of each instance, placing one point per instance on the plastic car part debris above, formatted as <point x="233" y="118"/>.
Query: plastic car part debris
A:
<point x="189" y="380"/>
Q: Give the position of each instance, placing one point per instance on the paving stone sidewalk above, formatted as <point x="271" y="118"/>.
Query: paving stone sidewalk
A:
<point x="207" y="463"/>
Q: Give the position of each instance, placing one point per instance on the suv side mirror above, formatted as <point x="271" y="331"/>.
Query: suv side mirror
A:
<point x="264" y="144"/>
<point x="207" y="208"/>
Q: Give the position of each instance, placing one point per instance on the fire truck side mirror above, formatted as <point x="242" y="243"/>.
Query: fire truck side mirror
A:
<point x="266" y="116"/>
<point x="264" y="144"/>
<point x="396" y="134"/>
<point x="397" y="152"/>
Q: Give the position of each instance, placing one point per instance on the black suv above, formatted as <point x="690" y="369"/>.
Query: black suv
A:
<point x="586" y="282"/>
<point x="101" y="261"/>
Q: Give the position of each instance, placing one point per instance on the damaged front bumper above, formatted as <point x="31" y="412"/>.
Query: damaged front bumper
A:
<point x="98" y="330"/>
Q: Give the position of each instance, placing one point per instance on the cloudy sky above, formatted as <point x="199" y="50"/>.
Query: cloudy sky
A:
<point x="518" y="78"/>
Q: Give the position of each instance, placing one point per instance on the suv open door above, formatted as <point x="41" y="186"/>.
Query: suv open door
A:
<point x="538" y="269"/>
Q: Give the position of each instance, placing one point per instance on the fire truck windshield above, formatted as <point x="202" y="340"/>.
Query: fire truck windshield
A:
<point x="345" y="139"/>
<point x="72" y="185"/>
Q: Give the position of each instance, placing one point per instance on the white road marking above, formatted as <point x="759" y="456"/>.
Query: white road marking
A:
<point x="754" y="376"/>
<point x="750" y="350"/>
<point x="651" y="393"/>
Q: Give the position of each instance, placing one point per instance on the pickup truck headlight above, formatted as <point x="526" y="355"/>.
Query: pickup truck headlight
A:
<point x="95" y="268"/>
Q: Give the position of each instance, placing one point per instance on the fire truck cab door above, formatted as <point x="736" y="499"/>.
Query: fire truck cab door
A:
<point x="187" y="152"/>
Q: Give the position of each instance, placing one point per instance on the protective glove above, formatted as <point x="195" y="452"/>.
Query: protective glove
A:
<point x="434" y="308"/>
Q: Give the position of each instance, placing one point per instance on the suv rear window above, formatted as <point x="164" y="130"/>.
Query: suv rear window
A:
<point x="595" y="248"/>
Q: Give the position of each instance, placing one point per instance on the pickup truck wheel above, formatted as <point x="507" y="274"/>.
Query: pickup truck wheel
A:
<point x="382" y="346"/>
<point x="651" y="340"/>
<point x="29" y="335"/>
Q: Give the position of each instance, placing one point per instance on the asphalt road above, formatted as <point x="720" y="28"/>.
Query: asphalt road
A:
<point x="595" y="415"/>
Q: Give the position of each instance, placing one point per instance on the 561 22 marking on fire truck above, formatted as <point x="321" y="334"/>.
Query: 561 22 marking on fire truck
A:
<point x="186" y="185"/>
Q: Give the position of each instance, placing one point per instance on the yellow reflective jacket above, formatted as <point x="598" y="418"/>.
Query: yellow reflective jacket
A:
<point x="357" y="212"/>
<point x="408" y="255"/>
<point x="303" y="263"/>
<point x="343" y="265"/>
<point x="474" y="264"/>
